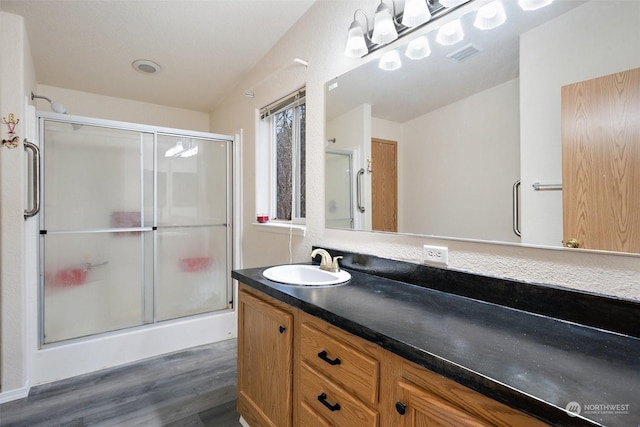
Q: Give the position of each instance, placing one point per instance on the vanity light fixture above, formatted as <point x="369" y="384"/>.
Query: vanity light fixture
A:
<point x="356" y="43"/>
<point x="416" y="12"/>
<point x="533" y="4"/>
<point x="490" y="16"/>
<point x="390" y="61"/>
<point x="387" y="26"/>
<point x="418" y="48"/>
<point x="450" y="33"/>
<point x="384" y="27"/>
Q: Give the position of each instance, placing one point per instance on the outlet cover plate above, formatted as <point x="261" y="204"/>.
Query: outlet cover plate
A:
<point x="436" y="255"/>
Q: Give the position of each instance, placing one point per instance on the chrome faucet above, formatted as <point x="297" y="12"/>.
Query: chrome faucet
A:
<point x="327" y="263"/>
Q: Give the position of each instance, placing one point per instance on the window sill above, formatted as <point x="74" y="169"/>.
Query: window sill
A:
<point x="281" y="228"/>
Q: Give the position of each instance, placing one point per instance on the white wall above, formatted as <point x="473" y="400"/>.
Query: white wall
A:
<point x="16" y="74"/>
<point x="124" y="110"/>
<point x="599" y="46"/>
<point x="319" y="38"/>
<point x="453" y="168"/>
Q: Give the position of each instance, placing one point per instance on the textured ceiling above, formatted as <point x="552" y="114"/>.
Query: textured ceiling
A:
<point x="205" y="47"/>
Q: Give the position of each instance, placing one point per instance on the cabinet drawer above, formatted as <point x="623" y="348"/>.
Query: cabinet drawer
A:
<point x="340" y="362"/>
<point x="310" y="418"/>
<point x="332" y="402"/>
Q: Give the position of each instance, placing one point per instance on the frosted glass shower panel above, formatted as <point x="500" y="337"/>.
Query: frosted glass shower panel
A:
<point x="192" y="180"/>
<point x="192" y="271"/>
<point x="95" y="177"/>
<point x="92" y="283"/>
<point x="338" y="182"/>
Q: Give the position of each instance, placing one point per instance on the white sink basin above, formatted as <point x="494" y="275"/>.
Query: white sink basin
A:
<point x="305" y="275"/>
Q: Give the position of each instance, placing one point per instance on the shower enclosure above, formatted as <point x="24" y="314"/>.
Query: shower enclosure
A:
<point x="135" y="226"/>
<point x="339" y="172"/>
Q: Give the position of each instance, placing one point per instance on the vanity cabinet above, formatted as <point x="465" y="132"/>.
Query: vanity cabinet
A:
<point x="313" y="374"/>
<point x="265" y="361"/>
<point x="338" y="375"/>
<point x="427" y="399"/>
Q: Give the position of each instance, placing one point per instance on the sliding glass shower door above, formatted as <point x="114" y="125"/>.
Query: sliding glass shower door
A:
<point x="134" y="227"/>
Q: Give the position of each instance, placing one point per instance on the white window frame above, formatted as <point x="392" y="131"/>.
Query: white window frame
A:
<point x="266" y="161"/>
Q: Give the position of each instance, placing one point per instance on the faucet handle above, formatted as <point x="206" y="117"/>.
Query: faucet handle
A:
<point x="335" y="267"/>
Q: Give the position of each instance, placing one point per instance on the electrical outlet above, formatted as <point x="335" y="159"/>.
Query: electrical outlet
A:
<point x="436" y="255"/>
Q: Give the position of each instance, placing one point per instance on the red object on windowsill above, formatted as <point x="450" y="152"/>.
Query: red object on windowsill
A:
<point x="191" y="265"/>
<point x="262" y="218"/>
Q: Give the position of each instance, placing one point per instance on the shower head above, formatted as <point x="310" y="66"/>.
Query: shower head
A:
<point x="55" y="106"/>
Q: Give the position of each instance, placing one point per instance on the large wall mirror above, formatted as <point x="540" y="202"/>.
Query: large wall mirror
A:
<point x="495" y="138"/>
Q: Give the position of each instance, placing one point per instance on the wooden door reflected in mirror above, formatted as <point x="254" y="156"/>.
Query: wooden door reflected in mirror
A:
<point x="601" y="162"/>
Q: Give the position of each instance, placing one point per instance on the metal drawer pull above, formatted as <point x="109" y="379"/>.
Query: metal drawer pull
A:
<point x="322" y="398"/>
<point x="282" y="329"/>
<point x="323" y="355"/>
<point x="401" y="408"/>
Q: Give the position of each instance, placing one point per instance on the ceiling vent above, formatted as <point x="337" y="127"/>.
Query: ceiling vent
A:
<point x="464" y="53"/>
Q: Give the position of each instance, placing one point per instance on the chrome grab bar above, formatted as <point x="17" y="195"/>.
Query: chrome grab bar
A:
<point x="359" y="190"/>
<point x="35" y="201"/>
<point x="544" y="187"/>
<point x="516" y="208"/>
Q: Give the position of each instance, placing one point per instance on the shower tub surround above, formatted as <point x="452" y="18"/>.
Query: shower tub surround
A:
<point x="540" y="349"/>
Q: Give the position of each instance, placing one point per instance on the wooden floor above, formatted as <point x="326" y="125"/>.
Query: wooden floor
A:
<point x="195" y="387"/>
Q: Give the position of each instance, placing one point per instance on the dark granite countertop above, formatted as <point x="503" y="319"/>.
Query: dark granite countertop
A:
<point x="531" y="362"/>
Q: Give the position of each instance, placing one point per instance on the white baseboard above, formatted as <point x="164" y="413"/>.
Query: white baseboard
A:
<point x="9" y="396"/>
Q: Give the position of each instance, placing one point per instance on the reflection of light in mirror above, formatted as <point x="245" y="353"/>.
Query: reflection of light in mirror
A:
<point x="416" y="12"/>
<point x="356" y="44"/>
<point x="390" y="61"/>
<point x="490" y="16"/>
<point x="384" y="30"/>
<point x="450" y="33"/>
<point x="418" y="48"/>
<point x="534" y="4"/>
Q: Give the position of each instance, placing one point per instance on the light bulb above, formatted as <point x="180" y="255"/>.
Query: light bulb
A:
<point x="418" y="48"/>
<point x="384" y="30"/>
<point x="356" y="44"/>
<point x="450" y="33"/>
<point x="490" y="16"/>
<point x="416" y="12"/>
<point x="390" y="61"/>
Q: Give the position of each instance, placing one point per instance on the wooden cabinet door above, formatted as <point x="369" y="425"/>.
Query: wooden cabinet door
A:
<point x="265" y="362"/>
<point x="422" y="409"/>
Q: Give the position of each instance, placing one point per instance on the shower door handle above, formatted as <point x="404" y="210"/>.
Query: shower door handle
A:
<point x="516" y="208"/>
<point x="359" y="190"/>
<point x="35" y="180"/>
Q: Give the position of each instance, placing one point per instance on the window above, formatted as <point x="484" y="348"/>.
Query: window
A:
<point x="282" y="165"/>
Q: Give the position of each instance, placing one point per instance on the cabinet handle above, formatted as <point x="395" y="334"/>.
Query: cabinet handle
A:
<point x="323" y="355"/>
<point x="322" y="398"/>
<point x="282" y="329"/>
<point x="401" y="408"/>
